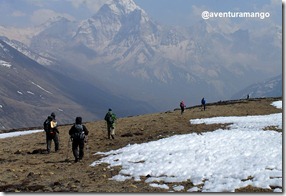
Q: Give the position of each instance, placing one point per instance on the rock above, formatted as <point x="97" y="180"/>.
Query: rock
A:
<point x="18" y="152"/>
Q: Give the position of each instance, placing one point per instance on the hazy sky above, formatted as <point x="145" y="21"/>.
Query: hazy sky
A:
<point x="173" y="12"/>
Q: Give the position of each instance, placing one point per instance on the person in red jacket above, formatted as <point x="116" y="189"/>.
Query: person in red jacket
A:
<point x="182" y="106"/>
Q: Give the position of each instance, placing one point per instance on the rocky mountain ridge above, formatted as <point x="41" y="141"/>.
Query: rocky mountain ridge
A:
<point x="270" y="88"/>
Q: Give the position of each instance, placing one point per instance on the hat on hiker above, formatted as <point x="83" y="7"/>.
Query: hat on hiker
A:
<point x="78" y="120"/>
<point x="109" y="109"/>
<point x="53" y="114"/>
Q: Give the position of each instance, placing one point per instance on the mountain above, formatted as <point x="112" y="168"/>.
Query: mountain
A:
<point x="31" y="91"/>
<point x="120" y="49"/>
<point x="270" y="88"/>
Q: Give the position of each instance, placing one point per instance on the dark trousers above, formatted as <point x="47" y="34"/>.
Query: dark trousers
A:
<point x="182" y="109"/>
<point x="203" y="106"/>
<point x="77" y="149"/>
<point x="49" y="139"/>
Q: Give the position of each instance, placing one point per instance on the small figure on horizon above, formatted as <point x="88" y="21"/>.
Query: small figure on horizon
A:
<point x="247" y="96"/>
<point x="77" y="133"/>
<point x="110" y="119"/>
<point x="51" y="129"/>
<point x="182" y="106"/>
<point x="203" y="102"/>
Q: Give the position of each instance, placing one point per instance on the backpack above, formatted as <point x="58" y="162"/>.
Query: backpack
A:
<point x="182" y="104"/>
<point x="203" y="101"/>
<point x="47" y="124"/>
<point x="79" y="133"/>
<point x="110" y="118"/>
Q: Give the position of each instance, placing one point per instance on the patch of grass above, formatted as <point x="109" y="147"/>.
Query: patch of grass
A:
<point x="252" y="189"/>
<point x="248" y="178"/>
<point x="273" y="128"/>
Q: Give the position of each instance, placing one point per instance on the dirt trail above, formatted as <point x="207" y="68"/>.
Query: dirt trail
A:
<point x="25" y="167"/>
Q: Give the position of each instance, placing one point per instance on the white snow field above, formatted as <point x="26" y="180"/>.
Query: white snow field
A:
<point x="219" y="161"/>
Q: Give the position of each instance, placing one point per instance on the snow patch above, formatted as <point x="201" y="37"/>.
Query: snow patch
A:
<point x="41" y="88"/>
<point x="18" y="133"/>
<point x="162" y="186"/>
<point x="178" y="188"/>
<point x="5" y="64"/>
<point x="277" y="104"/>
<point x="29" y="92"/>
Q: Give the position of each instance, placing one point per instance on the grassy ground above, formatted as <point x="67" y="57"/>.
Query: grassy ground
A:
<point x="25" y="167"/>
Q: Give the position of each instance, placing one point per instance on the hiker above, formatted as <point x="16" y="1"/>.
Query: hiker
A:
<point x="203" y="102"/>
<point x="51" y="129"/>
<point x="110" y="119"/>
<point x="182" y="106"/>
<point x="77" y="134"/>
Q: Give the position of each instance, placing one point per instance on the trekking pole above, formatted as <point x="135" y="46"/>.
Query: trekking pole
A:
<point x="58" y="137"/>
<point x="87" y="147"/>
<point x="69" y="140"/>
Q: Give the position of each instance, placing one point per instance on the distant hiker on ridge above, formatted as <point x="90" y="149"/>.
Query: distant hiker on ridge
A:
<point x="110" y="119"/>
<point x="50" y="127"/>
<point x="203" y="102"/>
<point x="182" y="106"/>
<point x="77" y="133"/>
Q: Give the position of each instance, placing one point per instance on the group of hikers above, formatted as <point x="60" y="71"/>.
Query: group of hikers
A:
<point x="78" y="133"/>
<point x="183" y="106"/>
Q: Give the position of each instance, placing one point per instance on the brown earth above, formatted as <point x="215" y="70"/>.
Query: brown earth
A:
<point x="25" y="166"/>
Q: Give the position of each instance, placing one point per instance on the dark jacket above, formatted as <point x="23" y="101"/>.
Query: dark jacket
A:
<point x="78" y="131"/>
<point x="110" y="118"/>
<point x="50" y="126"/>
<point x="203" y="101"/>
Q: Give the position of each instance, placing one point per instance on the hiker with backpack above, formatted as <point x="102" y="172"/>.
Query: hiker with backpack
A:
<point x="78" y="133"/>
<point x="182" y="106"/>
<point x="203" y="102"/>
<point x="110" y="119"/>
<point x="51" y="129"/>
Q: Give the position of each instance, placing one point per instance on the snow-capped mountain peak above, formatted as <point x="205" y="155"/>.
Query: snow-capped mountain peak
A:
<point x="53" y="21"/>
<point x="122" y="6"/>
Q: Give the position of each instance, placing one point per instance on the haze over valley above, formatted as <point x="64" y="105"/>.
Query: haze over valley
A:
<point x="123" y="58"/>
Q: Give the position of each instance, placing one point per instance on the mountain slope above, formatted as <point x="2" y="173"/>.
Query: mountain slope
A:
<point x="269" y="88"/>
<point x="30" y="92"/>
